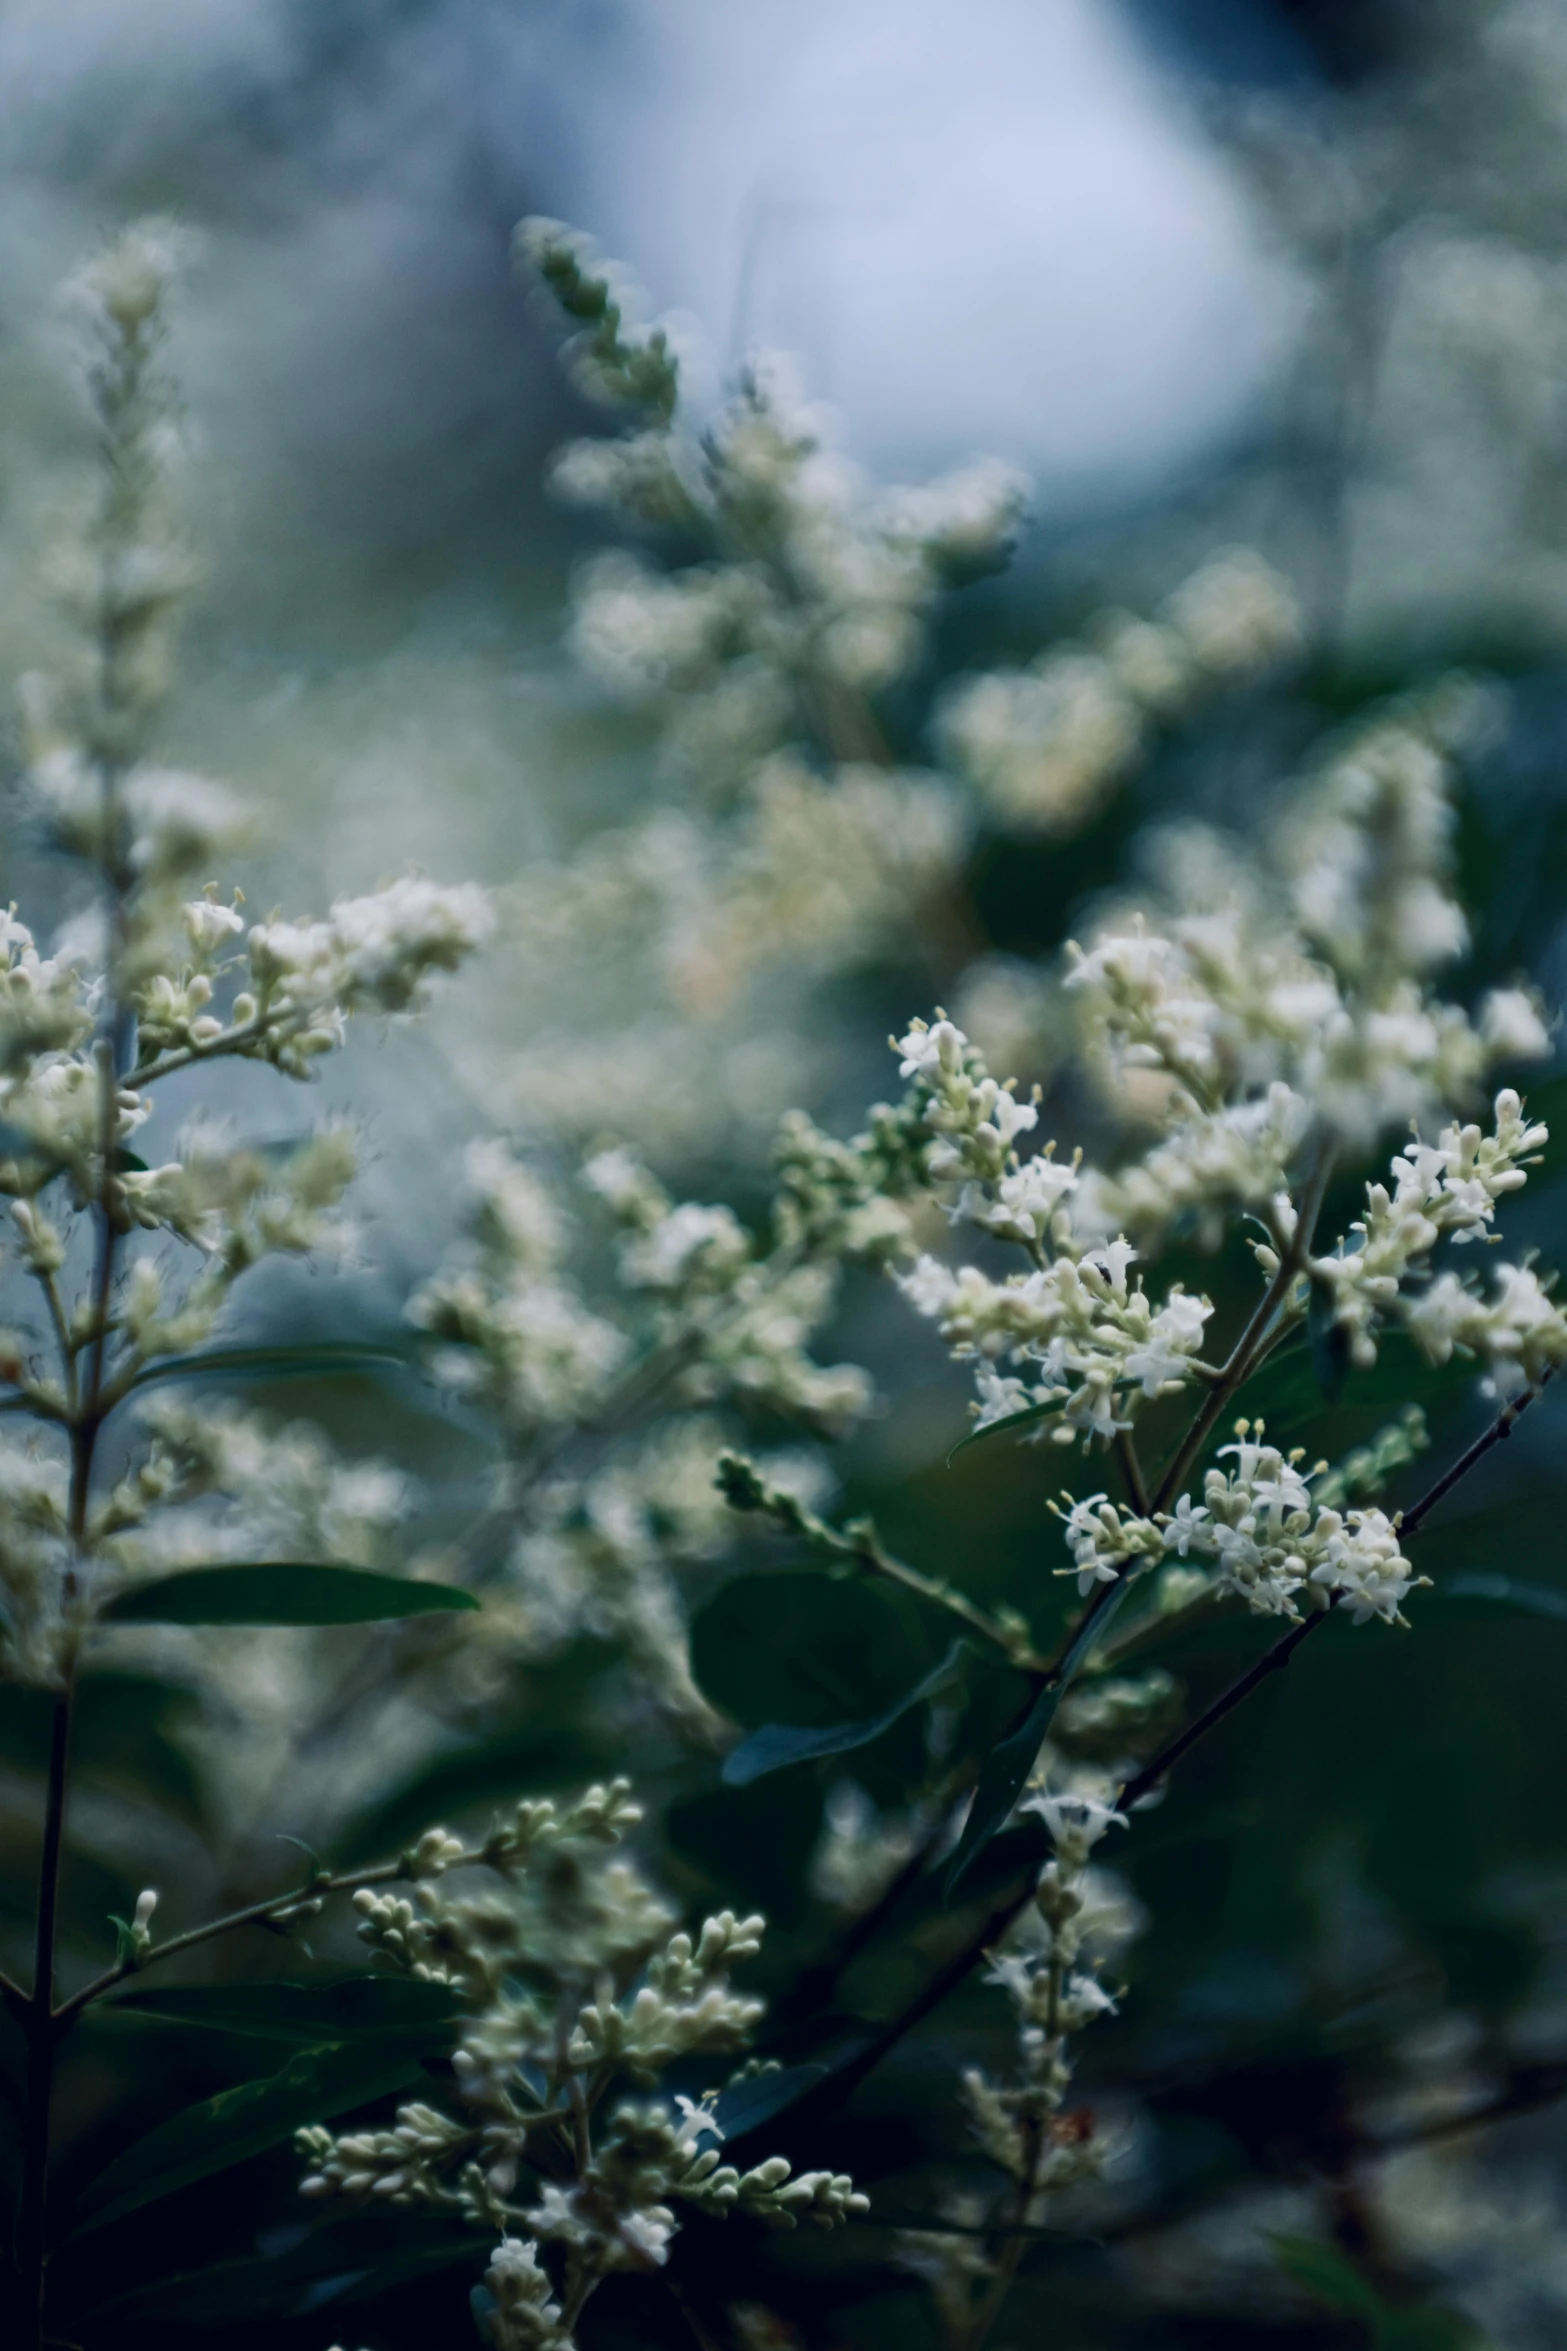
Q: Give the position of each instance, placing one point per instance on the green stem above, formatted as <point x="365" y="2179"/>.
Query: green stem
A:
<point x="270" y="1912"/>
<point x="39" y="2026"/>
<point x="233" y="1039"/>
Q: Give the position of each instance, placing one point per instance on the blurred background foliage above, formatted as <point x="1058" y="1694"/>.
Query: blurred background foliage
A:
<point x="1298" y="279"/>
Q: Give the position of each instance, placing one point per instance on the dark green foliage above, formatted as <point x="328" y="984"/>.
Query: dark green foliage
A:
<point x="281" y="1592"/>
<point x="233" y="2125"/>
<point x="359" y="2008"/>
<point x="1006" y="1769"/>
<point x="775" y="1745"/>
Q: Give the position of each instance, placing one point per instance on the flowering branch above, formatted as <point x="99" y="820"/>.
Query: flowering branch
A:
<point x="284" y="1910"/>
<point x="1274" y="1660"/>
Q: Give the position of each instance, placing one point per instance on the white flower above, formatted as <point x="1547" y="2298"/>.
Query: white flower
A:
<point x="1512" y="1026"/>
<point x="925" y="1049"/>
<point x="697" y="2120"/>
<point x="1076" y="1820"/>
<point x="1083" y="1999"/>
<point x="1186" y="1524"/>
<point x="648" y="2233"/>
<point x="691" y="1240"/>
<point x="1363" y="1564"/>
<point x="209" y="925"/>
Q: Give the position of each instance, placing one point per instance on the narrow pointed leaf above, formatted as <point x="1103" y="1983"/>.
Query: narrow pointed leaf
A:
<point x="1323" y="2270"/>
<point x="313" y="2086"/>
<point x="280" y="1592"/>
<point x="1006" y="1771"/>
<point x="775" y="1745"/>
<point x="360" y="2008"/>
<point x="1329" y="1342"/>
<point x="761" y="2097"/>
<point x="1534" y="1599"/>
<point x="347" y="2260"/>
<point x="1029" y="1418"/>
<point x="304" y="1361"/>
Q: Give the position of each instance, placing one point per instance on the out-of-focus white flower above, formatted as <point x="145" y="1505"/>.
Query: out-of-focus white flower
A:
<point x="1076" y="1820"/>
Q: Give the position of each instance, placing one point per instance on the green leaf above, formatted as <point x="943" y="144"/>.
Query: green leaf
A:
<point x="1027" y="1419"/>
<point x="357" y="2009"/>
<point x="1006" y="1771"/>
<point x="1329" y="1342"/>
<point x="1287" y="1392"/>
<point x="238" y="2123"/>
<point x="124" y="1738"/>
<point x="760" y="2097"/>
<point x="301" y="1361"/>
<point x="1427" y="2329"/>
<point x="1325" y="2272"/>
<point x="280" y="1592"/>
<point x="1534" y="1599"/>
<point x="805" y="1647"/>
<point x="346" y="2261"/>
<point x="775" y="1745"/>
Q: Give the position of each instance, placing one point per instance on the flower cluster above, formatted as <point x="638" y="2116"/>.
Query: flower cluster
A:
<point x="1044" y="746"/>
<point x="806" y="592"/>
<point x="1313" y="975"/>
<point x="707" y="1317"/>
<point x="574" y="1989"/>
<point x="1269" y="1539"/>
<point x="1051" y="1966"/>
<point x="1098" y="1340"/>
<point x="142" y="984"/>
<point x="1447" y="1190"/>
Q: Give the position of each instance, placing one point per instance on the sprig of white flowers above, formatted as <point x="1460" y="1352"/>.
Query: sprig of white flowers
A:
<point x="539" y="2146"/>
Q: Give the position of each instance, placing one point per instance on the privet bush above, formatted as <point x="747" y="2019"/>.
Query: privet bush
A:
<point x="545" y="2075"/>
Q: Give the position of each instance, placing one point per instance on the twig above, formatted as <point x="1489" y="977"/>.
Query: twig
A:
<point x="230" y="1040"/>
<point x="1273" y="1660"/>
<point x="1254" y="1339"/>
<point x="860" y="1546"/>
<point x="1132" y="1471"/>
<point x="847" y="2078"/>
<point x="1411" y="1520"/>
<point x="1278" y="1657"/>
<point x="1226" y="1383"/>
<point x="272" y="1911"/>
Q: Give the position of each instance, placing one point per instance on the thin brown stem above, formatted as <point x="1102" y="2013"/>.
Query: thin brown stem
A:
<point x="846" y="2078"/>
<point x="816" y="1985"/>
<point x="1274" y="1660"/>
<point x="1016" y="2234"/>
<point x="1132" y="1471"/>
<point x="62" y="1338"/>
<point x="85" y="1420"/>
<point x="947" y="1978"/>
<point x="1248" y="1350"/>
<point x="1412" y="1519"/>
<point x="1254" y="1340"/>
